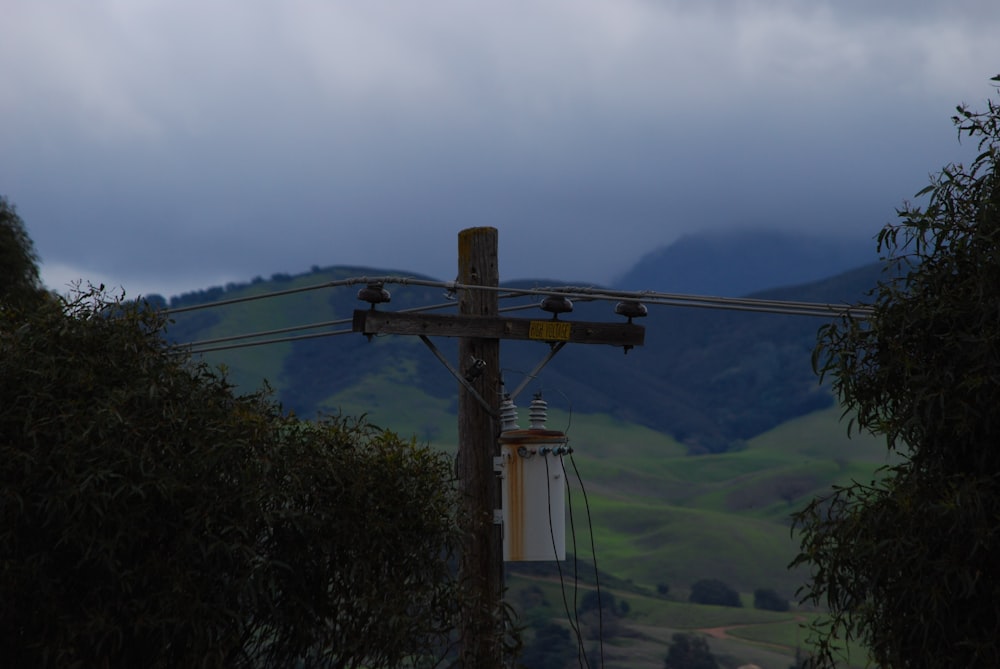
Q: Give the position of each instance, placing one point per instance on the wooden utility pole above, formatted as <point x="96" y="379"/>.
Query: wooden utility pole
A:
<point x="481" y="566"/>
<point x="480" y="329"/>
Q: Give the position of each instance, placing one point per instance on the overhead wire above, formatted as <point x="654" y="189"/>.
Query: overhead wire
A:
<point x="788" y="307"/>
<point x="576" y="562"/>
<point x="309" y="326"/>
<point x="572" y="527"/>
<point x="204" y="345"/>
<point x="281" y="340"/>
<point x="352" y="281"/>
<point x="570" y="615"/>
<point x="593" y="552"/>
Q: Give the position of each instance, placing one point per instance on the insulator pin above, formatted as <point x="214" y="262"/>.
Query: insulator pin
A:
<point x="374" y="294"/>
<point x="631" y="309"/>
<point x="557" y="304"/>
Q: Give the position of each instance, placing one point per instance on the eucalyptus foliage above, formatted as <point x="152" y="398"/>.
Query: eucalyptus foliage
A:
<point x="151" y="517"/>
<point x="907" y="563"/>
<point x="19" y="280"/>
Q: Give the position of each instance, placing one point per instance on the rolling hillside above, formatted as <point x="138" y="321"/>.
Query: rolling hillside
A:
<point x="692" y="451"/>
<point x="693" y="448"/>
<point x="710" y="379"/>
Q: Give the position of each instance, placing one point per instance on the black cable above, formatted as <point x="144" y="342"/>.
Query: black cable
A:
<point x="723" y="306"/>
<point x="310" y="326"/>
<point x="572" y="527"/>
<point x="401" y="280"/>
<point x="250" y="298"/>
<point x="576" y="560"/>
<point x="265" y="333"/>
<point x="593" y="551"/>
<point x="581" y="653"/>
<point x="787" y="307"/>
<point x="296" y="328"/>
<point x="281" y="340"/>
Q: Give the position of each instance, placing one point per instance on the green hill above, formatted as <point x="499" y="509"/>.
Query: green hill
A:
<point x="692" y="451"/>
<point x="661" y="516"/>
<point x="710" y="379"/>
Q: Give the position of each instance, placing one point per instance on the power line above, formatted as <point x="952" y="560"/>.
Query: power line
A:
<point x="197" y="346"/>
<point x="280" y="340"/>
<point x="302" y="289"/>
<point x="579" y="293"/>
<point x="296" y="328"/>
<point x="205" y="345"/>
<point x="582" y="293"/>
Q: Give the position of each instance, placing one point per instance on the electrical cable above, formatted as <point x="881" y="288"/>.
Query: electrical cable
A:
<point x="310" y="326"/>
<point x="570" y="616"/>
<point x="572" y="530"/>
<point x="281" y="340"/>
<point x="267" y="333"/>
<point x="296" y="328"/>
<point x="593" y="552"/>
<point x="791" y="307"/>
<point x="572" y="526"/>
<point x="576" y="561"/>
<point x="788" y="307"/>
<point x="726" y="306"/>
<point x="353" y="281"/>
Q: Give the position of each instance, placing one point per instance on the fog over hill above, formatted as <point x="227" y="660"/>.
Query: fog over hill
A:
<point x="739" y="262"/>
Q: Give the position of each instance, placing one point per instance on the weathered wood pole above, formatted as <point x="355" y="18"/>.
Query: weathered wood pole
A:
<point x="481" y="565"/>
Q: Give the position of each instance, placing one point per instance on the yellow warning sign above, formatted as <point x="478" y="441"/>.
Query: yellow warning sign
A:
<point x="549" y="330"/>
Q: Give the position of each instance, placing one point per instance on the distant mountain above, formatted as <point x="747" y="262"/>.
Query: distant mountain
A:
<point x="739" y="262"/>
<point x="715" y="380"/>
<point x="711" y="379"/>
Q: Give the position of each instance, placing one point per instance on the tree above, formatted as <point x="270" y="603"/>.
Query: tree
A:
<point x="599" y="614"/>
<point x="151" y="517"/>
<point x="769" y="600"/>
<point x="688" y="651"/>
<point x="594" y="600"/>
<point x="715" y="592"/>
<point x="551" y="648"/>
<point x="906" y="563"/>
<point x="19" y="280"/>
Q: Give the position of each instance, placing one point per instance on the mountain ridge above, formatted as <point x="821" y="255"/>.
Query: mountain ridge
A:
<point x="740" y="262"/>
<point x="712" y="379"/>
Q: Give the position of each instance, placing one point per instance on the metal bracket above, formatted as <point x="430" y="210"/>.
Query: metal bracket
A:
<point x="461" y="379"/>
<point x="533" y="373"/>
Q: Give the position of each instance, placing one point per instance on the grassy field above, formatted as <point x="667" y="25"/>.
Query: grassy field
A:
<point x="653" y="514"/>
<point x="640" y="637"/>
<point x="659" y="516"/>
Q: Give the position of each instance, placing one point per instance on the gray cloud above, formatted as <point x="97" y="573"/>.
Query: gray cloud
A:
<point x="170" y="145"/>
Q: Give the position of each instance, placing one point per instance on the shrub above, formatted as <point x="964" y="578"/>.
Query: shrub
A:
<point x="715" y="592"/>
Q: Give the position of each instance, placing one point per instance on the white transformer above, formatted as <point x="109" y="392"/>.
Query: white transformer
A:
<point x="533" y="485"/>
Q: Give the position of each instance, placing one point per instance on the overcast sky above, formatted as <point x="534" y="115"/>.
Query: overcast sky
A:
<point x="169" y="145"/>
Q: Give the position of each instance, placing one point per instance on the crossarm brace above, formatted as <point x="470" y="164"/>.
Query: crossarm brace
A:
<point x="533" y="373"/>
<point x="461" y="379"/>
